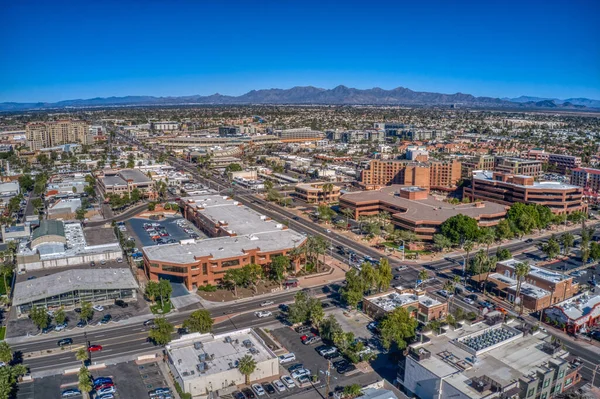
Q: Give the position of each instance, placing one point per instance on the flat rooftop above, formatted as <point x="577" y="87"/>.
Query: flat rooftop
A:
<point x="427" y="209"/>
<point x="95" y="236"/>
<point x="487" y="175"/>
<point x="71" y="280"/>
<point x="538" y="272"/>
<point x="499" y="352"/>
<point x="391" y="301"/>
<point x="205" y="354"/>
<point x="579" y="305"/>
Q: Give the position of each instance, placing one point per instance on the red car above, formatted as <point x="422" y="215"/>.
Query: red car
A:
<point x="106" y="385"/>
<point x="95" y="348"/>
<point x="306" y="336"/>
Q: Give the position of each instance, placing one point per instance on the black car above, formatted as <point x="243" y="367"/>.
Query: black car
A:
<point x="238" y="395"/>
<point x="65" y="341"/>
<point x="149" y="322"/>
<point x="330" y="356"/>
<point x="296" y="218"/>
<point x="121" y="303"/>
<point x="248" y="393"/>
<point x="82" y="323"/>
<point x="106" y="319"/>
<point x="268" y="387"/>
<point x="325" y="305"/>
<point x="340" y="363"/>
<point x="283" y="307"/>
<point x="295" y="367"/>
<point x="77" y="310"/>
<point x="346" y="369"/>
<point x="48" y="329"/>
<point x="529" y="240"/>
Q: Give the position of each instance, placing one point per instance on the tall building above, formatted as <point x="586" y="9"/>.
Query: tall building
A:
<point x="435" y="174"/>
<point x="507" y="189"/>
<point x="50" y="134"/>
<point x="300" y="134"/>
<point x="563" y="162"/>
<point x="519" y="166"/>
<point x="587" y="178"/>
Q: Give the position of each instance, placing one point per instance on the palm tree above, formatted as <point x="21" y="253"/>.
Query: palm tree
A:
<point x="423" y="275"/>
<point x="82" y="355"/>
<point x="490" y="266"/>
<point x="348" y="213"/>
<point x="85" y="381"/>
<point x="468" y="247"/>
<point x="487" y="237"/>
<point x="246" y="366"/>
<point x="522" y="269"/>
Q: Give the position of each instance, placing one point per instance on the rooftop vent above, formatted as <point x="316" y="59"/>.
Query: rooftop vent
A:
<point x="198" y="345"/>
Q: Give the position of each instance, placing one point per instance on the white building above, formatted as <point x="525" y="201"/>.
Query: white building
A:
<point x="205" y="363"/>
<point x="165" y="126"/>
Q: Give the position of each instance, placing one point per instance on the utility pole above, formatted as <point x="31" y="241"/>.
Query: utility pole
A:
<point x="329" y="376"/>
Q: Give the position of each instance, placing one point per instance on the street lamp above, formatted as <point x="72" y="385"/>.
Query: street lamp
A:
<point x="402" y="248"/>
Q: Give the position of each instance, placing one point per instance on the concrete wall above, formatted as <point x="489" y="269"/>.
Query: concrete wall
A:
<point x="420" y="381"/>
<point x="38" y="264"/>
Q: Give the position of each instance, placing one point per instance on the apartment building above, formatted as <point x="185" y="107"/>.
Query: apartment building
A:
<point x="420" y="305"/>
<point x="535" y="153"/>
<point x="125" y="181"/>
<point x="518" y="166"/>
<point x="435" y="174"/>
<point x="315" y="193"/>
<point x="414" y="210"/>
<point x="505" y="188"/>
<point x="300" y="134"/>
<point x="587" y="178"/>
<point x="165" y="126"/>
<point x="241" y="237"/>
<point x="487" y="360"/>
<point x="471" y="164"/>
<point x="564" y="163"/>
<point x="50" y="134"/>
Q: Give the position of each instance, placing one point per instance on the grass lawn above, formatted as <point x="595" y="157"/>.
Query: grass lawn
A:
<point x="8" y="280"/>
<point x="2" y="332"/>
<point x="406" y="251"/>
<point x="156" y="309"/>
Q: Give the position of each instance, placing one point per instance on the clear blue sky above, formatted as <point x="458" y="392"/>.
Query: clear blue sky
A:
<point x="55" y="50"/>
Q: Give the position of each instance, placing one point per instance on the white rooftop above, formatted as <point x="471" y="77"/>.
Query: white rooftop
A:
<point x="204" y="354"/>
<point x="551" y="185"/>
<point x="538" y="272"/>
<point x="579" y="305"/>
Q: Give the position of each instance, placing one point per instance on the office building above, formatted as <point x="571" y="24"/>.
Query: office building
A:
<point x="165" y="126"/>
<point x="417" y="153"/>
<point x="477" y="361"/>
<point x="314" y="193"/>
<point x="577" y="314"/>
<point x="481" y="162"/>
<point x="300" y="134"/>
<point x="225" y="131"/>
<point x="241" y="237"/>
<point x="206" y="365"/>
<point x="518" y="166"/>
<point x="507" y="189"/>
<point x="435" y="174"/>
<point x="420" y="305"/>
<point x="587" y="178"/>
<point x="70" y="288"/>
<point x="125" y="181"/>
<point x="390" y="128"/>
<point x="563" y="163"/>
<point x="50" y="134"/>
<point x="535" y="153"/>
<point x="413" y="209"/>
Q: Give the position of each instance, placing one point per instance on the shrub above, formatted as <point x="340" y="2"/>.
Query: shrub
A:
<point x="207" y="288"/>
<point x="471" y="316"/>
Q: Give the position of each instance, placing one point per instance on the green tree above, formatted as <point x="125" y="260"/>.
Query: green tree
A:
<point x="384" y="275"/>
<point x="279" y="266"/>
<point x="152" y="290"/>
<point x="247" y="366"/>
<point x="503" y="254"/>
<point x="325" y="213"/>
<point x="254" y="275"/>
<point x="551" y="248"/>
<point x="84" y="381"/>
<point x="397" y="327"/>
<point x="503" y="230"/>
<point x="235" y="278"/>
<point x="522" y="269"/>
<point x="567" y="240"/>
<point x="136" y="195"/>
<point x="441" y="242"/>
<point x="6" y="271"/>
<point x="487" y="236"/>
<point x="161" y="332"/>
<point x="352" y="391"/>
<point x="8" y="379"/>
<point x="165" y="289"/>
<point x="233" y="167"/>
<point x="329" y="328"/>
<point x="460" y="228"/>
<point x="60" y="316"/>
<point x="595" y="251"/>
<point x="468" y="246"/>
<point x="423" y="274"/>
<point x="80" y="214"/>
<point x="82" y="355"/>
<point x="87" y="311"/>
<point x="353" y="291"/>
<point x="199" y="321"/>
<point x="369" y="276"/>
<point x="40" y="317"/>
<point x="6" y="355"/>
<point x="26" y="183"/>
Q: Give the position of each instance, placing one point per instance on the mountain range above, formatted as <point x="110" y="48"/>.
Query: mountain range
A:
<point x="340" y="95"/>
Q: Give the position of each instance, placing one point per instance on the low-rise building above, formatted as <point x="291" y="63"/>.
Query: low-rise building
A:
<point x="317" y="193"/>
<point x="507" y="189"/>
<point x="16" y="232"/>
<point x="518" y="166"/>
<point x="125" y="181"/>
<point x="487" y="361"/>
<point x="587" y="178"/>
<point x="204" y="364"/>
<point x="420" y="305"/>
<point x="563" y="162"/>
<point x="576" y="314"/>
<point x="413" y="209"/>
<point x="71" y="287"/>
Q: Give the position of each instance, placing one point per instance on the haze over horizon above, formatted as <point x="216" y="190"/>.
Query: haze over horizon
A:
<point x="67" y="50"/>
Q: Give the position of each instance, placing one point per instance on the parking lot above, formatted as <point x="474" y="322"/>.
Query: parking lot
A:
<point x="175" y="227"/>
<point x="131" y="381"/>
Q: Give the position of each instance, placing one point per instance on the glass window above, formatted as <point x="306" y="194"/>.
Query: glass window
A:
<point x="229" y="263"/>
<point x="561" y="374"/>
<point x="568" y="382"/>
<point x="531" y="392"/>
<point x="546" y="383"/>
<point x="175" y="269"/>
<point x="544" y="395"/>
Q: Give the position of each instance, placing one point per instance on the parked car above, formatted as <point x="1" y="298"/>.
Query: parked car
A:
<point x="295" y="367"/>
<point x="159" y="391"/>
<point x="300" y="372"/>
<point x="121" y="303"/>
<point x="67" y="393"/>
<point x="258" y="389"/>
<point x="340" y="363"/>
<point x="302" y="329"/>
<point x="101" y="380"/>
<point x="105" y="319"/>
<point x="238" y="395"/>
<point x="65" y="341"/>
<point x="331" y="355"/>
<point x="288" y="357"/>
<point x="98" y="308"/>
<point x="279" y="386"/>
<point x="95" y="348"/>
<point x="312" y="340"/>
<point x="401" y="268"/>
<point x="326" y="350"/>
<point x="60" y="327"/>
<point x="248" y="393"/>
<point x="287" y="380"/>
<point x="346" y="369"/>
<point x="82" y="323"/>
<point x="263" y="313"/>
<point x="267" y="386"/>
<point x="468" y="300"/>
<point x="445" y="294"/>
<point x="92" y="264"/>
<point x="149" y="322"/>
<point x="473" y="297"/>
<point x="267" y="303"/>
<point x="106" y="390"/>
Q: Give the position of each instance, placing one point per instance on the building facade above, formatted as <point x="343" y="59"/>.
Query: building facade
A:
<point x="420" y="305"/>
<point x="50" y="134"/>
<point x="442" y="175"/>
<point x="587" y="178"/>
<point x="507" y="189"/>
<point x="125" y="181"/>
<point x="518" y="166"/>
<point x="317" y="193"/>
<point x="563" y="163"/>
<point x="577" y="314"/>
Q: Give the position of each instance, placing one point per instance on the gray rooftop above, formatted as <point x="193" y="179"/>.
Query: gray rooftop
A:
<point x="487" y="175"/>
<point x="135" y="175"/>
<point x="112" y="181"/>
<point x="49" y="227"/>
<point x="71" y="280"/>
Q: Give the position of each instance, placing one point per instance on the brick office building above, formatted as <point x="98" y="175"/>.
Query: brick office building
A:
<point x="435" y="174"/>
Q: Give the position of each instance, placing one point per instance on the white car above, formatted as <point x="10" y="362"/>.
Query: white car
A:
<point x="300" y="372"/>
<point x="98" y="308"/>
<point x="263" y="313"/>
<point x="279" y="386"/>
<point x="267" y="303"/>
<point x="401" y="268"/>
<point x="468" y="300"/>
<point x="445" y="294"/>
<point x="287" y="380"/>
<point x="260" y="391"/>
<point x="288" y="357"/>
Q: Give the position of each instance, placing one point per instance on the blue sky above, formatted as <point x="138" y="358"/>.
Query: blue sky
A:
<point x="57" y="50"/>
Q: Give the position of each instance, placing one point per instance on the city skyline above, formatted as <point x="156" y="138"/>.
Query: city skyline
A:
<point x="69" y="50"/>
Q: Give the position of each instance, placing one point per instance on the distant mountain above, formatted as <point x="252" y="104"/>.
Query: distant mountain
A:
<point x="340" y="95"/>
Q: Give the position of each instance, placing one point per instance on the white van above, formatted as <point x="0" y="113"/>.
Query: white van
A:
<point x="288" y="357"/>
